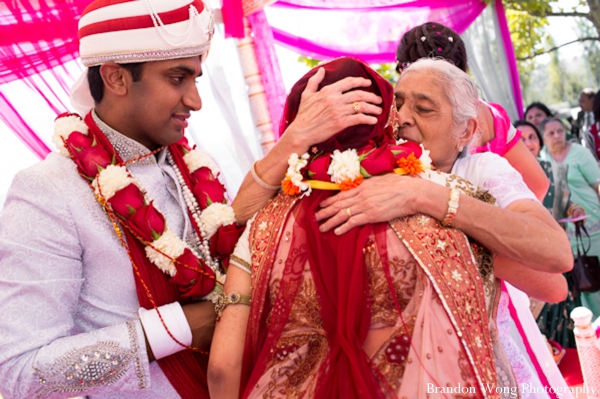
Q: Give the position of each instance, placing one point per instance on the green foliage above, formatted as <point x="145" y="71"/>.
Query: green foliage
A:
<point x="388" y="70"/>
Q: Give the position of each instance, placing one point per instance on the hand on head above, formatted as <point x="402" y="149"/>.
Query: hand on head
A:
<point x="323" y="113"/>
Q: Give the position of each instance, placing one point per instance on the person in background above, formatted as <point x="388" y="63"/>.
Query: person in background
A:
<point x="536" y="112"/>
<point x="585" y="120"/>
<point x="576" y="179"/>
<point x="595" y="128"/>
<point x="553" y="318"/>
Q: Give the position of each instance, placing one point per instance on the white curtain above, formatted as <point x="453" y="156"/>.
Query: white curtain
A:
<point x="488" y="62"/>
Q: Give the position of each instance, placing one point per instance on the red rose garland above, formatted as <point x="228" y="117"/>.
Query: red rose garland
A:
<point x="124" y="199"/>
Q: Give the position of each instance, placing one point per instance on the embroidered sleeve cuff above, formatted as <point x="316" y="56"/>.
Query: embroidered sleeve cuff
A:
<point x="161" y="343"/>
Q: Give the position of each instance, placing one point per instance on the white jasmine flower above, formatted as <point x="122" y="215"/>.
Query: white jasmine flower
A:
<point x="425" y="158"/>
<point x="215" y="216"/>
<point x="197" y="159"/>
<point x="63" y="127"/>
<point x="111" y="179"/>
<point x="169" y="244"/>
<point x="401" y="141"/>
<point x="295" y="166"/>
<point x="344" y="166"/>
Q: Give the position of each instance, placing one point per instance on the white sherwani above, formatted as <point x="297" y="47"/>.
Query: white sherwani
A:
<point x="68" y="303"/>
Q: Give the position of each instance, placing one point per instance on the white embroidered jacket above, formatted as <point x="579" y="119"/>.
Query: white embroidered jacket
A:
<point x="68" y="303"/>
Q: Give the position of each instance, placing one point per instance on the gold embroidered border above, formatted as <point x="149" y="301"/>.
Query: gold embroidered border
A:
<point x="263" y="246"/>
<point x="445" y="257"/>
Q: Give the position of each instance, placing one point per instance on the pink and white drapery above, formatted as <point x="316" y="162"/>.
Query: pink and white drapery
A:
<point x="35" y="37"/>
<point x="369" y="30"/>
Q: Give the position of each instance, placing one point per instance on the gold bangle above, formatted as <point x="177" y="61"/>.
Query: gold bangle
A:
<point x="260" y="181"/>
<point x="224" y="300"/>
<point x="452" y="207"/>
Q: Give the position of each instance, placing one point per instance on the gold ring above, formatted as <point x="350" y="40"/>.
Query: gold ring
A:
<point x="348" y="212"/>
<point x="356" y="107"/>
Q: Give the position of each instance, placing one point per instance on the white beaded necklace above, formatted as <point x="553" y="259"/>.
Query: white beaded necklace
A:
<point x="194" y="208"/>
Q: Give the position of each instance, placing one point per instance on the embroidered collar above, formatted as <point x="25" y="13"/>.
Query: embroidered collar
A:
<point x="126" y="147"/>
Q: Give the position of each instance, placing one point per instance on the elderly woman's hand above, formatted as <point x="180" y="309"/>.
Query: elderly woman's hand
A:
<point x="377" y="199"/>
<point x="323" y="113"/>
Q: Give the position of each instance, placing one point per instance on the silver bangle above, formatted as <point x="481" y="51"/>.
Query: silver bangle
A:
<point x="260" y="181"/>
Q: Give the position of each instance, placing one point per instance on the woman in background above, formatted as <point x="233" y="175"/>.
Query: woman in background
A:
<point x="574" y="168"/>
<point x="536" y="112"/>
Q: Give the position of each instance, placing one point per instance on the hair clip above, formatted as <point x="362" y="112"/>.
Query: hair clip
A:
<point x="439" y="49"/>
<point x="423" y="38"/>
<point x="450" y="39"/>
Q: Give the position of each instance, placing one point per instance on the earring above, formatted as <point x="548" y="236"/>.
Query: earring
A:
<point x="460" y="148"/>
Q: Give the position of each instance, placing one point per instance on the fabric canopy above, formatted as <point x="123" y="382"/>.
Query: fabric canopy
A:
<point x="369" y="30"/>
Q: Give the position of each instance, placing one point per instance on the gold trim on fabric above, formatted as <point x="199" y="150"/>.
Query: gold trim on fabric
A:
<point x="445" y="257"/>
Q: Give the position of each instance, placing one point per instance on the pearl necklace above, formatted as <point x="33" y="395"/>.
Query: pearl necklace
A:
<point x="194" y="208"/>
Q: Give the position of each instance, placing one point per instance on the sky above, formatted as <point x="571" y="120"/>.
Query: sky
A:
<point x="14" y="155"/>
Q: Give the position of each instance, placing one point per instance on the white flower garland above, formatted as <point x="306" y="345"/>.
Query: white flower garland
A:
<point x="197" y="159"/>
<point x="63" y="127"/>
<point x="215" y="216"/>
<point x="169" y="244"/>
<point x="293" y="172"/>
<point x="114" y="178"/>
<point x="344" y="166"/>
<point x="111" y="180"/>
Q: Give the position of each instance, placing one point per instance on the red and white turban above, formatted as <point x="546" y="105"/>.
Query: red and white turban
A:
<point x="125" y="31"/>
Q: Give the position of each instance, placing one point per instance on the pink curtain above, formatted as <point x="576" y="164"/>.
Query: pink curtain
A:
<point x="369" y="30"/>
<point x="35" y="37"/>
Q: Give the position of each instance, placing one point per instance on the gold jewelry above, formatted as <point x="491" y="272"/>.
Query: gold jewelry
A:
<point x="260" y="181"/>
<point x="224" y="300"/>
<point x="356" y="107"/>
<point x="348" y="212"/>
<point x="452" y="207"/>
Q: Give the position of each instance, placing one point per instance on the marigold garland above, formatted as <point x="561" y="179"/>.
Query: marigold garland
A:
<point x="350" y="184"/>
<point x="411" y="165"/>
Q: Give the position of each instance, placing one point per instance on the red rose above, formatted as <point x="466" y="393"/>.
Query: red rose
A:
<point x="78" y="141"/>
<point x="208" y="192"/>
<point x="202" y="287"/>
<point x="127" y="201"/>
<point x="91" y="159"/>
<point x="222" y="243"/>
<point x="183" y="142"/>
<point x="192" y="283"/>
<point x="147" y="222"/>
<point x="202" y="174"/>
<point x="317" y="169"/>
<point x="378" y="162"/>
<point x="405" y="149"/>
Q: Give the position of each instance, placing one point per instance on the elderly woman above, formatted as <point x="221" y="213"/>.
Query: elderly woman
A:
<point x="495" y="133"/>
<point x="575" y="168"/>
<point x="355" y="315"/>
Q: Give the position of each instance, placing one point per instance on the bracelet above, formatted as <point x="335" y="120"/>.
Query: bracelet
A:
<point x="452" y="207"/>
<point x="224" y="300"/>
<point x="260" y="181"/>
<point x="572" y="209"/>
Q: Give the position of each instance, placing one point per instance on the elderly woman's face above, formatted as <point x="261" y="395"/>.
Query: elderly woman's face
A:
<point x="530" y="139"/>
<point x="555" y="136"/>
<point x="425" y="116"/>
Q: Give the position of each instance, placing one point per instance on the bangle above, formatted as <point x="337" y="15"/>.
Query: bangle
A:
<point x="571" y="209"/>
<point x="224" y="300"/>
<point x="452" y="207"/>
<point x="260" y="181"/>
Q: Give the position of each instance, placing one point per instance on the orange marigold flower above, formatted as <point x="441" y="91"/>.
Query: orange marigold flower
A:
<point x="289" y="188"/>
<point x="411" y="165"/>
<point x="350" y="184"/>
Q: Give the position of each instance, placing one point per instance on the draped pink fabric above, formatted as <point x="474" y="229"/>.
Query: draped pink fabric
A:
<point x="370" y="30"/>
